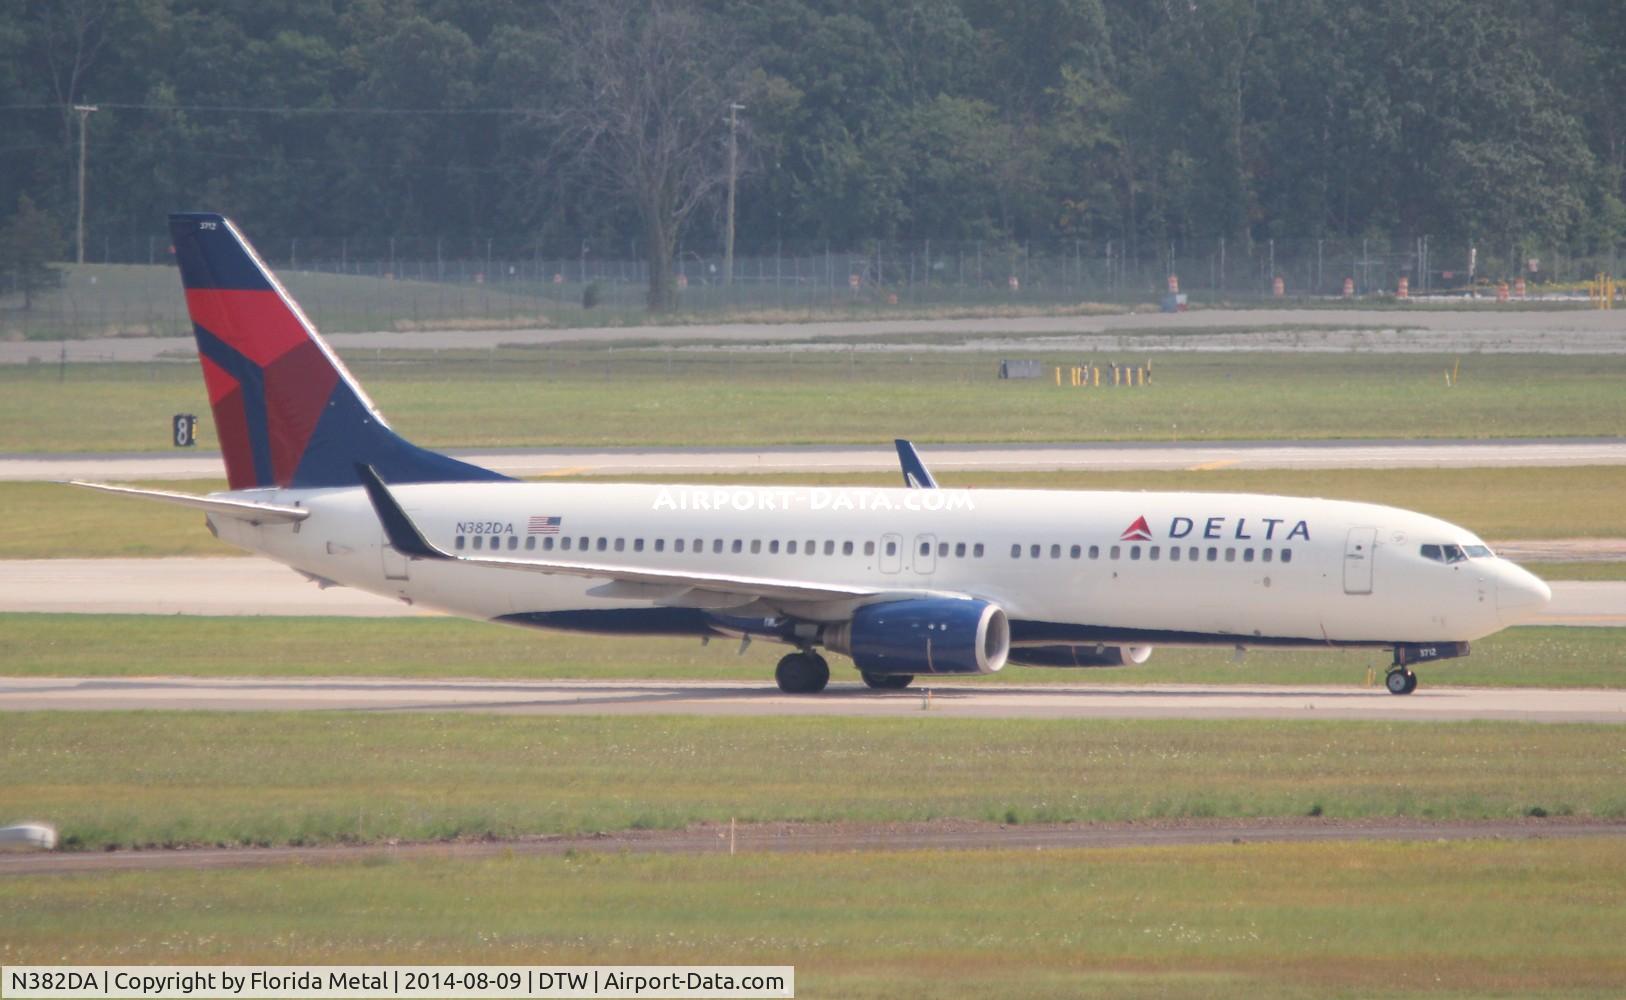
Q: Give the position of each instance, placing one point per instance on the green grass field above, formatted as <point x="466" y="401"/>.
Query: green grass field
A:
<point x="46" y="520"/>
<point x="613" y="397"/>
<point x="167" y="778"/>
<point x="42" y="645"/>
<point x="1473" y="919"/>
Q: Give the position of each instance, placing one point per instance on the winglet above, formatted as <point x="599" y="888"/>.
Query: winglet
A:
<point x="915" y="475"/>
<point x="404" y="536"/>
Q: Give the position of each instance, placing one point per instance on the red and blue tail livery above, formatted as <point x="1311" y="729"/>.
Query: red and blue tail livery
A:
<point x="287" y="412"/>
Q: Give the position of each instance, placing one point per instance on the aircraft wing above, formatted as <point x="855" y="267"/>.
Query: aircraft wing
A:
<point x="685" y="588"/>
<point x="243" y="510"/>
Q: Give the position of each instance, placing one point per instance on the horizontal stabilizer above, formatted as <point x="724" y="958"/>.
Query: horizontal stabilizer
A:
<point x="242" y="510"/>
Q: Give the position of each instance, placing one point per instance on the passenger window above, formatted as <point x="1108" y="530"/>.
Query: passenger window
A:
<point x="717" y="546"/>
<point x="547" y="544"/>
<point x="699" y="545"/>
<point x="677" y="545"/>
<point x="738" y="546"/>
<point x="1174" y="553"/>
<point x="1055" y="551"/>
<point x="460" y="541"/>
<point x="1193" y="554"/>
<point x="1134" y="552"/>
<point x="811" y="548"/>
<point x="959" y="550"/>
<point x="637" y="545"/>
<point x="496" y="542"/>
<point x="790" y="547"/>
<point x="976" y="551"/>
<point x="660" y="545"/>
<point x="1095" y="551"/>
<point x="1016" y="551"/>
<point x="756" y="546"/>
<point x="581" y="543"/>
<point x="773" y="547"/>
<point x="530" y="542"/>
<point x="513" y="542"/>
<point x="942" y="549"/>
<point x="1247" y="554"/>
<point x="1113" y="552"/>
<point x="925" y="548"/>
<point x="846" y="548"/>
<point x="891" y="548"/>
<point x="620" y="544"/>
<point x="603" y="544"/>
<point x="479" y="541"/>
<point x="1230" y="554"/>
<point x="1213" y="554"/>
<point x="1287" y="555"/>
<point x="830" y="548"/>
<point x="1075" y="552"/>
<point x="1153" y="554"/>
<point x="869" y="548"/>
<point x="564" y="543"/>
<point x="1033" y="551"/>
<point x="1265" y="555"/>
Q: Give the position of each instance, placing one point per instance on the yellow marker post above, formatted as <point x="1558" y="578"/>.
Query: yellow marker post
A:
<point x="1098" y="376"/>
<point x="1058" y="376"/>
<point x="1456" y="371"/>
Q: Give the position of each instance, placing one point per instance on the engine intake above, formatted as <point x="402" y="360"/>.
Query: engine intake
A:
<point x="925" y="636"/>
<point x="1081" y="656"/>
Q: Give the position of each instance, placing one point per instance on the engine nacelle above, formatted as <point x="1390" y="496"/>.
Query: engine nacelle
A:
<point x="925" y="636"/>
<point x="1081" y="656"/>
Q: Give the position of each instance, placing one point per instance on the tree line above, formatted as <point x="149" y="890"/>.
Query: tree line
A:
<point x="1140" y="121"/>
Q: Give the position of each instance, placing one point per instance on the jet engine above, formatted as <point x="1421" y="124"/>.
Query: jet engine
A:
<point x="924" y="636"/>
<point x="1081" y="656"/>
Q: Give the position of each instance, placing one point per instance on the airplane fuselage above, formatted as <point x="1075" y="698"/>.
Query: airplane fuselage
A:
<point x="1067" y="567"/>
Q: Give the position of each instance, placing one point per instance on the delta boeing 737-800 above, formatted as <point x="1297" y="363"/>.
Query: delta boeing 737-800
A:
<point x="905" y="582"/>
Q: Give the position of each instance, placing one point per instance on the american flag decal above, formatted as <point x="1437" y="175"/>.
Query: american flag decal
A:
<point x="544" y="525"/>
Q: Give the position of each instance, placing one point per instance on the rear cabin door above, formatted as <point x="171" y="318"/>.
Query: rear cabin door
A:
<point x="1359" y="549"/>
<point x="395" y="564"/>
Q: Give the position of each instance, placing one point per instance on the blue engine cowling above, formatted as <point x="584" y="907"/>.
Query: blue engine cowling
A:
<point x="925" y="636"/>
<point x="1080" y="656"/>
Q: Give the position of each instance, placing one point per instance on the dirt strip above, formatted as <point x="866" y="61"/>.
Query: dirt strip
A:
<point x="760" y="838"/>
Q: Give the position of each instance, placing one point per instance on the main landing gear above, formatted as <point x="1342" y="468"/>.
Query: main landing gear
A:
<point x="802" y="673"/>
<point x="1400" y="681"/>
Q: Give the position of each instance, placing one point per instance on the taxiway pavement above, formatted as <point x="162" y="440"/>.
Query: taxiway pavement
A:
<point x="934" y="699"/>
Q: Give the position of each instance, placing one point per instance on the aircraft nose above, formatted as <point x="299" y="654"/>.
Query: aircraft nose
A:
<point x="1520" y="595"/>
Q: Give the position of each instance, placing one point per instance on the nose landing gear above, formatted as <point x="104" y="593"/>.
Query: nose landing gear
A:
<point x="1400" y="681"/>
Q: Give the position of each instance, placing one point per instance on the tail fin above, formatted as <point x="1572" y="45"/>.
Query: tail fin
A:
<point x="286" y="410"/>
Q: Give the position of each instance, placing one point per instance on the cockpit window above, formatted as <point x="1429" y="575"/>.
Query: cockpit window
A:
<point x="1446" y="553"/>
<point x="1479" y="552"/>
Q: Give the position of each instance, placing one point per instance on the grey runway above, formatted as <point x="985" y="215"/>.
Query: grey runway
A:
<point x="729" y="699"/>
<point x="248" y="586"/>
<point x="679" y="462"/>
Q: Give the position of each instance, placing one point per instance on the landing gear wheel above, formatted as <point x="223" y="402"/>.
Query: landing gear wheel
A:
<point x="888" y="682"/>
<point x="802" y="673"/>
<point x="1400" y="681"/>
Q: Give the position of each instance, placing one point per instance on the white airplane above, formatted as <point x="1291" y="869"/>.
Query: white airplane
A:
<point x="904" y="581"/>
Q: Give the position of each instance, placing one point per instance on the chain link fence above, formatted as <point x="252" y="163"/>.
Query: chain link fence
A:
<point x="128" y="286"/>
